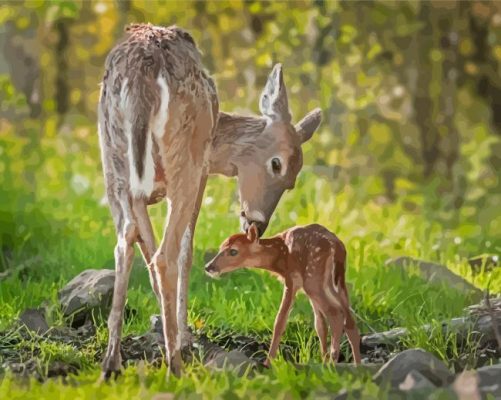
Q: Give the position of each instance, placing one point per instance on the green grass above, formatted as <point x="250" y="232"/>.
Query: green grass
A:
<point x="244" y="302"/>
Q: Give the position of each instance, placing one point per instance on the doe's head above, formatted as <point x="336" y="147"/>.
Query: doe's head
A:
<point x="271" y="161"/>
<point x="238" y="251"/>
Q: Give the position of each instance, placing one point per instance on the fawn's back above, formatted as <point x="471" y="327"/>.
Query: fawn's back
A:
<point x="316" y="253"/>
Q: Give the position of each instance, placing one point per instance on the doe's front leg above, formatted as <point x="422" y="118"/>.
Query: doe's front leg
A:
<point x="171" y="263"/>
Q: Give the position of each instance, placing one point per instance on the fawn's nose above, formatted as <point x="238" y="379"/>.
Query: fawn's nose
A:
<point x="210" y="268"/>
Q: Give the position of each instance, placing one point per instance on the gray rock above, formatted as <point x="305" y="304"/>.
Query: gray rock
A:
<point x="415" y="380"/>
<point x="482" y="383"/>
<point x="234" y="360"/>
<point x="490" y="380"/>
<point x="475" y="326"/>
<point x="156" y="324"/>
<point x="90" y="290"/>
<point x="466" y="386"/>
<point x="398" y="367"/>
<point x="34" y="320"/>
<point x="437" y="273"/>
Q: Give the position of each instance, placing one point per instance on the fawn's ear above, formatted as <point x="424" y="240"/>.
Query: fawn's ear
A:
<point x="252" y="233"/>
<point x="273" y="102"/>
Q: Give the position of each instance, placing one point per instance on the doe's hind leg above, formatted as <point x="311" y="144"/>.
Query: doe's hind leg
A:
<point x="124" y="253"/>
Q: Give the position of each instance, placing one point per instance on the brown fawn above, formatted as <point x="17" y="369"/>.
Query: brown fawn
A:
<point x="306" y="257"/>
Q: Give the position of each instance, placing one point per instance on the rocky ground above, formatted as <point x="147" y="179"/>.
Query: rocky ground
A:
<point x="412" y="371"/>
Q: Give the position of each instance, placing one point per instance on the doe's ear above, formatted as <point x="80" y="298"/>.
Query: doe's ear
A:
<point x="309" y="124"/>
<point x="252" y="233"/>
<point x="273" y="102"/>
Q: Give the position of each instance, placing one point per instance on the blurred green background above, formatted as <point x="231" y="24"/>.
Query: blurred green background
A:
<point x="407" y="158"/>
<point x="406" y="162"/>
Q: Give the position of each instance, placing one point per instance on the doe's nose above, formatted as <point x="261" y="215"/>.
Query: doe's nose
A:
<point x="245" y="224"/>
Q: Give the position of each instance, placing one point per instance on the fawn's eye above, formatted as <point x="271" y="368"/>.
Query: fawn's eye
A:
<point x="276" y="165"/>
<point x="233" y="252"/>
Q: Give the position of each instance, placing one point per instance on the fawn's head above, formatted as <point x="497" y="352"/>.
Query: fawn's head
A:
<point x="270" y="161"/>
<point x="238" y="251"/>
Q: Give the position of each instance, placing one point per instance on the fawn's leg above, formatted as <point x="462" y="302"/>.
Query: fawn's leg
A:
<point x="333" y="312"/>
<point x="353" y="335"/>
<point x="124" y="253"/>
<point x="146" y="240"/>
<point x="321" y="329"/>
<point x="281" y="320"/>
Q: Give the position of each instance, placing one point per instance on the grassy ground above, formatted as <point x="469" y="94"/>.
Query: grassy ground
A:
<point x="245" y="302"/>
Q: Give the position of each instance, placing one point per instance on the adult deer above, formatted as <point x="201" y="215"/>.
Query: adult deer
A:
<point x="161" y="135"/>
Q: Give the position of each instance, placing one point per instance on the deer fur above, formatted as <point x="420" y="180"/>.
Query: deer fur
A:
<point x="161" y="134"/>
<point x="306" y="257"/>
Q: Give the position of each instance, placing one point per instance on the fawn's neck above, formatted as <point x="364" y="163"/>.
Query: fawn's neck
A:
<point x="275" y="255"/>
<point x="233" y="137"/>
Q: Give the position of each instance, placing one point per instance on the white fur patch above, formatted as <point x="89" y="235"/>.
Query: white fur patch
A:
<point x="141" y="186"/>
<point x="255" y="215"/>
<point x="332" y="297"/>
<point x="158" y="121"/>
<point x="123" y="95"/>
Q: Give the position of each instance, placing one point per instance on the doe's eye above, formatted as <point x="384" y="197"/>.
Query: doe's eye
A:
<point x="233" y="252"/>
<point x="276" y="165"/>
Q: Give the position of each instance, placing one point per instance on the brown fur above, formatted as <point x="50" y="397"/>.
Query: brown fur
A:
<point x="308" y="257"/>
<point x="161" y="134"/>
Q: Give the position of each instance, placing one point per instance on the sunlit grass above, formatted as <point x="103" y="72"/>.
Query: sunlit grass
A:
<point x="245" y="302"/>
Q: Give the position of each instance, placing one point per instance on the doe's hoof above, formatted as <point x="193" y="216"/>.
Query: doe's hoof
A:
<point x="109" y="373"/>
<point x="111" y="366"/>
<point x="175" y="365"/>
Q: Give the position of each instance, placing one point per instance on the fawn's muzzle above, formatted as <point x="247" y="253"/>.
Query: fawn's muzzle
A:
<point x="210" y="269"/>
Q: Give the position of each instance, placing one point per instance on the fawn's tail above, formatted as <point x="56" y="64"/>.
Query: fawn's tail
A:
<point x="340" y="270"/>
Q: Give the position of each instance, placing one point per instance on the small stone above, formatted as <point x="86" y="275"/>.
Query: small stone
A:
<point x="437" y="273"/>
<point x="90" y="290"/>
<point x="482" y="383"/>
<point x="396" y="369"/>
<point x="156" y="324"/>
<point x="466" y="386"/>
<point x="490" y="380"/>
<point x="233" y="360"/>
<point x="415" y="381"/>
<point x="34" y="320"/>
